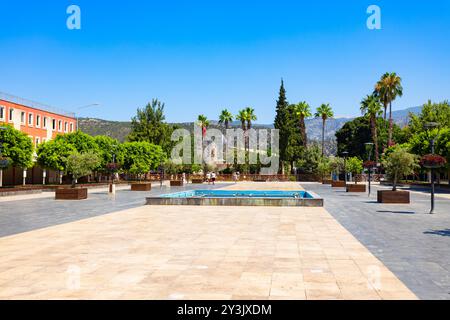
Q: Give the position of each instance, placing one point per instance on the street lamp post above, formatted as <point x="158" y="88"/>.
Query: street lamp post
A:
<point x="369" y="147"/>
<point x="432" y="125"/>
<point x="345" y="154"/>
<point x="85" y="107"/>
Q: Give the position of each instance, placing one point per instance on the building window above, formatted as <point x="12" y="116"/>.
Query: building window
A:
<point x="22" y="117"/>
<point x="38" y="141"/>
<point x="30" y="119"/>
<point x="38" y="121"/>
<point x="59" y="125"/>
<point x="71" y="127"/>
<point x="66" y="126"/>
<point x="11" y="114"/>
<point x="44" y="123"/>
<point x="2" y="112"/>
<point x="53" y="124"/>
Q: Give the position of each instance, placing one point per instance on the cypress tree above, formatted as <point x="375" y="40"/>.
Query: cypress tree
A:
<point x="281" y="120"/>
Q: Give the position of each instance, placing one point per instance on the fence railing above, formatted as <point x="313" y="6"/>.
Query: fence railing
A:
<point x="33" y="104"/>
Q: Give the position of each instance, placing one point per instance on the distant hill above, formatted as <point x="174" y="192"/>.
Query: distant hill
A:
<point x="120" y="129"/>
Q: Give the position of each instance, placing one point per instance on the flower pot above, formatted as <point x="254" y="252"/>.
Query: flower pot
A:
<point x="327" y="181"/>
<point x="71" y="193"/>
<point x="356" y="187"/>
<point x="146" y="186"/>
<point x="338" y="184"/>
<point x="197" y="181"/>
<point x="389" y="196"/>
<point x="176" y="183"/>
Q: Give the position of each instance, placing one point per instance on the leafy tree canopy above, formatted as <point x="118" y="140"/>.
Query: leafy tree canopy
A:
<point x="82" y="142"/>
<point x="17" y="147"/>
<point x="53" y="154"/>
<point x="141" y="157"/>
<point x="81" y="164"/>
<point x="149" y="125"/>
<point x="400" y="163"/>
<point x="354" y="134"/>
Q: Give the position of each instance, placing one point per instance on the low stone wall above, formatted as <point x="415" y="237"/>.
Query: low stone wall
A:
<point x="235" y="202"/>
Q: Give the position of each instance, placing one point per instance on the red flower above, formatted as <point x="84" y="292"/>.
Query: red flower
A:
<point x="433" y="161"/>
<point x="112" y="167"/>
<point x="369" y="164"/>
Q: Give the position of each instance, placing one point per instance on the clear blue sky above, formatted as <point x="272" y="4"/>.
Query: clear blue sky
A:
<point x="202" y="56"/>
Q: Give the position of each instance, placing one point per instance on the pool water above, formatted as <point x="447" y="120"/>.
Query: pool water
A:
<point x="254" y="194"/>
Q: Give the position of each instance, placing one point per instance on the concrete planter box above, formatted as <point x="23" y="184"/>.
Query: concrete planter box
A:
<point x="327" y="182"/>
<point x="389" y="196"/>
<point x="71" y="194"/>
<point x="176" y="183"/>
<point x="356" y="187"/>
<point x="197" y="181"/>
<point x="338" y="184"/>
<point x="141" y="186"/>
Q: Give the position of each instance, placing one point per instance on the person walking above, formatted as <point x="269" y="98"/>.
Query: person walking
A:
<point x="213" y="178"/>
<point x="208" y="177"/>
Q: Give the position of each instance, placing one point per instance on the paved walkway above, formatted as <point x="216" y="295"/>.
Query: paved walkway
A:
<point x="173" y="252"/>
<point x="30" y="212"/>
<point x="410" y="242"/>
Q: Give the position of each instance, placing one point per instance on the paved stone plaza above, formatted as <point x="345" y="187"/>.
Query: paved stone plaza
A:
<point x="108" y="247"/>
<point x="410" y="242"/>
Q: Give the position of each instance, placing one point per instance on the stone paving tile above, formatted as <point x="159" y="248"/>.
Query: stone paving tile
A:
<point x="211" y="253"/>
<point x="411" y="243"/>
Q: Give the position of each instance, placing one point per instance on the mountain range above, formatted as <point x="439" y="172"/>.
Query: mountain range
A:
<point x="120" y="129"/>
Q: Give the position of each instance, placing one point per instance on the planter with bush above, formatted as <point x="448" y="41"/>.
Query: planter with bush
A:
<point x="397" y="164"/>
<point x="78" y="165"/>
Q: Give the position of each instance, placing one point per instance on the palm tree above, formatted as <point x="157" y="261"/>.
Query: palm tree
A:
<point x="203" y="122"/>
<point x="371" y="108"/>
<point x="242" y="117"/>
<point x="225" y="118"/>
<point x="325" y="112"/>
<point x="388" y="89"/>
<point x="250" y="113"/>
<point x="303" y="111"/>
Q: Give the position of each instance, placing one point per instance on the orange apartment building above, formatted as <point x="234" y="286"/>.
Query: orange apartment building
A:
<point x="40" y="122"/>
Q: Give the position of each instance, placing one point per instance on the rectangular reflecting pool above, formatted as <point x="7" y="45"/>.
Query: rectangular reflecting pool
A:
<point x="270" y="198"/>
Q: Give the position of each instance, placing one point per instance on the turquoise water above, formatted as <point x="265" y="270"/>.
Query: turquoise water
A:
<point x="261" y="194"/>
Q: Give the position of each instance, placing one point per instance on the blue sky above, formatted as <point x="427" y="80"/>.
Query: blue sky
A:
<point x="203" y="56"/>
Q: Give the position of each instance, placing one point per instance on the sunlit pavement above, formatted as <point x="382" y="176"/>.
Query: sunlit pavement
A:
<point x="174" y="252"/>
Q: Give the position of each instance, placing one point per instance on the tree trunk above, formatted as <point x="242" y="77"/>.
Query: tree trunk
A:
<point x="375" y="137"/>
<point x="1" y="178"/>
<point x="385" y="111"/>
<point x="390" y="125"/>
<point x="303" y="132"/>
<point x="394" y="188"/>
<point x="323" y="137"/>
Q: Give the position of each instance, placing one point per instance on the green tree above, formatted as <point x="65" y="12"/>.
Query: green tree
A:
<point x="354" y="165"/>
<point x="388" y="88"/>
<point x="431" y="112"/>
<point x="109" y="149"/>
<point x="225" y="118"/>
<point x="324" y="112"/>
<point x="324" y="168"/>
<point x="53" y="154"/>
<point x="142" y="157"/>
<point x="399" y="163"/>
<point x="81" y="164"/>
<point x="242" y="117"/>
<point x="281" y="119"/>
<point x="82" y="142"/>
<point x="371" y="108"/>
<point x="250" y="116"/>
<point x="149" y="125"/>
<point x="303" y="111"/>
<point x="16" y="149"/>
<point x="310" y="160"/>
